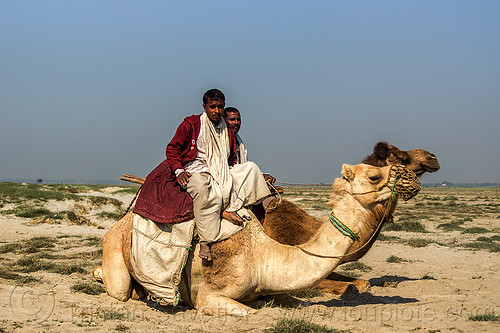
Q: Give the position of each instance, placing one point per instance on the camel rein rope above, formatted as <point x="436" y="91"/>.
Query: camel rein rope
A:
<point x="132" y="202"/>
<point x="346" y="231"/>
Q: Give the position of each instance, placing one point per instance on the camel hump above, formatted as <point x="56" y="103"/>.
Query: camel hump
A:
<point x="287" y="223"/>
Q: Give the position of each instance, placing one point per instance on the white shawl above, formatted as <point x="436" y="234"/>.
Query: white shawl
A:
<point x="217" y="153"/>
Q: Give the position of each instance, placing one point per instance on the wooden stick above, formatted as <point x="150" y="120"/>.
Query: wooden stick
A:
<point x="132" y="178"/>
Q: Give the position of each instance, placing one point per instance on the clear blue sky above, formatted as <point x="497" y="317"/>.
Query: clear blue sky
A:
<point x="93" y="89"/>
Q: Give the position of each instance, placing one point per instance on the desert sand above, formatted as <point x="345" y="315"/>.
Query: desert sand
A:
<point x="435" y="281"/>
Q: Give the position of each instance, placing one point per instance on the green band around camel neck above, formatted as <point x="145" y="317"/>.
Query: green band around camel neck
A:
<point x="344" y="230"/>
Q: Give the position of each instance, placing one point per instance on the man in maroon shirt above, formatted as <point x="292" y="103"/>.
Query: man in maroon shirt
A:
<point x="200" y="177"/>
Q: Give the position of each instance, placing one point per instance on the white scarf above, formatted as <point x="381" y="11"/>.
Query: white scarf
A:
<point x="241" y="149"/>
<point x="217" y="153"/>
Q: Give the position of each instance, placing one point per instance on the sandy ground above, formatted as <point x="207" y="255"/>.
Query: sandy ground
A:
<point x="436" y="289"/>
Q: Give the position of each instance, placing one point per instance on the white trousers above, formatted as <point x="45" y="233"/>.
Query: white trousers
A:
<point x="248" y="188"/>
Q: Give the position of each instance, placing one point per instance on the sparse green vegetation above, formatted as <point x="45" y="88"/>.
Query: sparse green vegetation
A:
<point x="385" y="238"/>
<point x="408" y="226"/>
<point x="485" y="317"/>
<point x="16" y="192"/>
<point x="11" y="247"/>
<point x="395" y="259"/>
<point x="354" y="268"/>
<point x="33" y="212"/>
<point x="44" y="254"/>
<point x="475" y="230"/>
<point x="356" y="265"/>
<point x="33" y="264"/>
<point x="300" y="326"/>
<point x="449" y="226"/>
<point x="29" y="201"/>
<point x="307" y="293"/>
<point x="93" y="241"/>
<point x="438" y="215"/>
<point x="67" y="269"/>
<point x="90" y="288"/>
<point x="116" y="215"/>
<point x="418" y="242"/>
<point x="490" y="246"/>
<point x="18" y="278"/>
<point x="112" y="315"/>
<point x="101" y="201"/>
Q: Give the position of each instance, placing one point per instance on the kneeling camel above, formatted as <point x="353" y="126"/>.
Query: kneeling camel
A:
<point x="251" y="264"/>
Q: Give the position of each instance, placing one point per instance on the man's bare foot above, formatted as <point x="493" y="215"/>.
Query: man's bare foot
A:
<point x="205" y="252"/>
<point x="232" y="217"/>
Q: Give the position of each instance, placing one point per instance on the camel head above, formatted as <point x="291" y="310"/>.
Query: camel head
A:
<point x="366" y="183"/>
<point x="417" y="160"/>
<point x="372" y="185"/>
<point x="422" y="161"/>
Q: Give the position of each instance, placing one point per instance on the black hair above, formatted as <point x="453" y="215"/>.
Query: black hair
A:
<point x="230" y="109"/>
<point x="214" y="95"/>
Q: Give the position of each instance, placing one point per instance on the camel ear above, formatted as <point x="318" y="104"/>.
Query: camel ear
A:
<point x="381" y="150"/>
<point x="347" y="171"/>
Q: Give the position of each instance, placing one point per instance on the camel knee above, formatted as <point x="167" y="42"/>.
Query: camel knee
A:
<point x="118" y="284"/>
<point x="115" y="276"/>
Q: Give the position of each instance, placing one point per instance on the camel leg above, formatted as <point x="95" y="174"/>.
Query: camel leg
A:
<point x="342" y="285"/>
<point x="115" y="275"/>
<point x="362" y="284"/>
<point x="216" y="305"/>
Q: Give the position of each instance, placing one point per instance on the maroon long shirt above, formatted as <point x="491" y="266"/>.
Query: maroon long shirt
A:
<point x="162" y="199"/>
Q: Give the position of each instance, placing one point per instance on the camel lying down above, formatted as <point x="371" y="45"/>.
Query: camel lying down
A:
<point x="288" y="224"/>
<point x="251" y="264"/>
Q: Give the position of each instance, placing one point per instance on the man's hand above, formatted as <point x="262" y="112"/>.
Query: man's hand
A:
<point x="183" y="178"/>
<point x="270" y="179"/>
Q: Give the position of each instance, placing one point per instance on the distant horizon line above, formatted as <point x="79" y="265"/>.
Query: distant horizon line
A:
<point x="123" y="182"/>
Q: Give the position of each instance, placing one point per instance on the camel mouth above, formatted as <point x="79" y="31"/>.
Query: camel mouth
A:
<point x="432" y="168"/>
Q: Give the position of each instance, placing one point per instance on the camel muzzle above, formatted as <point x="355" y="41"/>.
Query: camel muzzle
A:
<point x="404" y="182"/>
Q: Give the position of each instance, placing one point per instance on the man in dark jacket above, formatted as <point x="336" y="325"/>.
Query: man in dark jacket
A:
<point x="200" y="177"/>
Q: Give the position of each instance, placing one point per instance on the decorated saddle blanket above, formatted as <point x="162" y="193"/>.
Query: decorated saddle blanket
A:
<point x="160" y="251"/>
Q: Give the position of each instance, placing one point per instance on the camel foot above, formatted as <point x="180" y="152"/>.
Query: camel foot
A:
<point x="361" y="284"/>
<point x="97" y="274"/>
<point x="138" y="291"/>
<point x="338" y="288"/>
<point x="232" y="217"/>
<point x="205" y="252"/>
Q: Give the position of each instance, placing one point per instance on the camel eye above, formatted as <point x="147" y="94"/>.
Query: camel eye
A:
<point x="374" y="178"/>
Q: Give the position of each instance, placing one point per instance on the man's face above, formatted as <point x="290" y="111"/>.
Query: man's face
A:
<point x="233" y="120"/>
<point x="214" y="109"/>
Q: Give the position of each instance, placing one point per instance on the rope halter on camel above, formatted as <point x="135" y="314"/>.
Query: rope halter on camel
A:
<point x="405" y="182"/>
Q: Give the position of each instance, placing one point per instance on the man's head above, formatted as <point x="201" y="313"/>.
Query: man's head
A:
<point x="232" y="118"/>
<point x="213" y="104"/>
